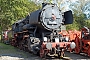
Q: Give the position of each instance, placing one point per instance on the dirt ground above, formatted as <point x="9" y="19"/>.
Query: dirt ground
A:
<point x="74" y="56"/>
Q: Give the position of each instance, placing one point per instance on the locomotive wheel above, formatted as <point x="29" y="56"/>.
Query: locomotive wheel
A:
<point x="88" y="51"/>
<point x="32" y="44"/>
<point x="42" y="53"/>
<point x="20" y="45"/>
<point x="77" y="48"/>
<point x="59" y="54"/>
<point x="62" y="54"/>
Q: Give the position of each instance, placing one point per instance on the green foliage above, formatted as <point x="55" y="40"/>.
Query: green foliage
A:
<point x="78" y="22"/>
<point x="13" y="10"/>
<point x="79" y="19"/>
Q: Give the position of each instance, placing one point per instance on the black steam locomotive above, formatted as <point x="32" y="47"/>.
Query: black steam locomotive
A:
<point x="38" y="32"/>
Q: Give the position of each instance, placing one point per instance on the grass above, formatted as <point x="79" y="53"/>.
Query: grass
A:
<point x="4" y="46"/>
<point x="10" y="50"/>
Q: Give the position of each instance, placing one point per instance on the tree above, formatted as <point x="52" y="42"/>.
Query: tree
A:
<point x="13" y="10"/>
<point x="79" y="17"/>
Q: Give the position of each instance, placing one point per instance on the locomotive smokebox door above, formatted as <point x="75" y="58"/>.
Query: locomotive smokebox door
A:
<point x="68" y="17"/>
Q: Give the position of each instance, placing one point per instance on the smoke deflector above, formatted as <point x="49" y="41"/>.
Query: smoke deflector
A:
<point x="68" y="17"/>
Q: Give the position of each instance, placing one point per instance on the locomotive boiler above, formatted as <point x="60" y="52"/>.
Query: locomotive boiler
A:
<point x="38" y="32"/>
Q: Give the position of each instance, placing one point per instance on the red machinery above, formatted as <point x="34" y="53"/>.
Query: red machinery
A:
<point x="62" y="46"/>
<point x="73" y="34"/>
<point x="5" y="37"/>
<point x="83" y="43"/>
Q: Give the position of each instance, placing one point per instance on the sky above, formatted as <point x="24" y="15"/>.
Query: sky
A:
<point x="64" y="3"/>
<point x="86" y="10"/>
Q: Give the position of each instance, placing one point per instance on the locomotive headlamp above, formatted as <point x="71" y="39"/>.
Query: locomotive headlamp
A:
<point x="57" y="40"/>
<point x="49" y="45"/>
<point x="67" y="39"/>
<point x="45" y="39"/>
<point x="72" y="45"/>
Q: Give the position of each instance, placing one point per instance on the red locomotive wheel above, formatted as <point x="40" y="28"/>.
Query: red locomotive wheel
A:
<point x="42" y="53"/>
<point x="77" y="48"/>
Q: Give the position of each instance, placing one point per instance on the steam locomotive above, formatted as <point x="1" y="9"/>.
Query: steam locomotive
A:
<point x="38" y="32"/>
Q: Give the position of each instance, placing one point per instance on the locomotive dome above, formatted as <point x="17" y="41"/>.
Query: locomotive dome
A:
<point x="51" y="16"/>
